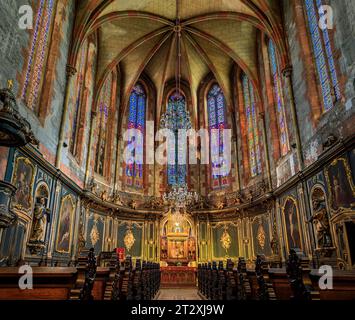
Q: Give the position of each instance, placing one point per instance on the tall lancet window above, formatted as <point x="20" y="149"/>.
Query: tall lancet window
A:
<point x="284" y="144"/>
<point x="38" y="54"/>
<point x="252" y="125"/>
<point x="103" y="115"/>
<point x="136" y="120"/>
<point x="176" y="118"/>
<point x="323" y="55"/>
<point x="217" y="121"/>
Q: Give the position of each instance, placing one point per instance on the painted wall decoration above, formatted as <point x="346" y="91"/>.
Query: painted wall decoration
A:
<point x="224" y="240"/>
<point x="129" y="238"/>
<point x="22" y="179"/>
<point x="130" y="234"/>
<point x="261" y="235"/>
<point x="340" y="184"/>
<point x="95" y="232"/>
<point x="64" y="233"/>
<point x="291" y="223"/>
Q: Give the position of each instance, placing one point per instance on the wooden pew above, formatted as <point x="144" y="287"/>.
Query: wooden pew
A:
<point x="280" y="283"/>
<point x="101" y="281"/>
<point x="343" y="285"/>
<point x="49" y="283"/>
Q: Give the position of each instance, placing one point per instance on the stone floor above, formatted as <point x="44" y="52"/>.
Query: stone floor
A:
<point x="178" y="294"/>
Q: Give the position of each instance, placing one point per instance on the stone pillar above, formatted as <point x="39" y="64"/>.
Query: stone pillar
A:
<point x="89" y="150"/>
<point x="266" y="149"/>
<point x="70" y="72"/>
<point x="287" y="73"/>
<point x="117" y="167"/>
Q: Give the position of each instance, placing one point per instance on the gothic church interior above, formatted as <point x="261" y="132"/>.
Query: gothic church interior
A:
<point x="259" y="196"/>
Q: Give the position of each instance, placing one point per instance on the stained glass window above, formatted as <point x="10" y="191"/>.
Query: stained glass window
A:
<point x="176" y="118"/>
<point x="136" y="120"/>
<point x="252" y="126"/>
<point x="216" y="121"/>
<point x="38" y="54"/>
<point x="80" y="86"/>
<point x="279" y="99"/>
<point x="103" y="114"/>
<point x="323" y="55"/>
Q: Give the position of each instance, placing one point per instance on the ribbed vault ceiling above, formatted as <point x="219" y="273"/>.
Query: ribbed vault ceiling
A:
<point x="139" y="36"/>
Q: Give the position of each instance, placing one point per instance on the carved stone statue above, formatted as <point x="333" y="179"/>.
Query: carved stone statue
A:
<point x="40" y="218"/>
<point x="116" y="199"/>
<point x="92" y="185"/>
<point x="104" y="196"/>
<point x="133" y="204"/>
<point x="321" y="223"/>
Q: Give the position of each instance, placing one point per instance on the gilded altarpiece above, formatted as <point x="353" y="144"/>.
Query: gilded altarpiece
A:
<point x="177" y="242"/>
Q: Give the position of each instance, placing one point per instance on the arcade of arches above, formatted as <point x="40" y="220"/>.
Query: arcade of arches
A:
<point x="263" y="69"/>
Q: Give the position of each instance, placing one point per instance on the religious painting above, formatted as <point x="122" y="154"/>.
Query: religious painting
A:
<point x="177" y="249"/>
<point x="340" y="185"/>
<point x="290" y="213"/>
<point x="65" y="222"/>
<point x="22" y="179"/>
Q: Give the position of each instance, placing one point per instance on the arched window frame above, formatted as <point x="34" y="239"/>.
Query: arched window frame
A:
<point x="38" y="54"/>
<point x="279" y="100"/>
<point x="177" y="173"/>
<point x="322" y="55"/>
<point x="216" y="118"/>
<point x="137" y="110"/>
<point x="252" y="126"/>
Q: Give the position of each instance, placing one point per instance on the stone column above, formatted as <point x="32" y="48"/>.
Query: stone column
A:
<point x="266" y="149"/>
<point x="287" y="73"/>
<point x="70" y="72"/>
<point x="117" y="167"/>
<point x="89" y="150"/>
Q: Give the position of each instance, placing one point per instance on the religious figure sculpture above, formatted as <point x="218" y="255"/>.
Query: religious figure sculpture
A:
<point x="321" y="223"/>
<point x="116" y="199"/>
<point x="41" y="216"/>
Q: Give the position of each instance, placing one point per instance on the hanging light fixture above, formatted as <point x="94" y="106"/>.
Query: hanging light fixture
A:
<point x="179" y="198"/>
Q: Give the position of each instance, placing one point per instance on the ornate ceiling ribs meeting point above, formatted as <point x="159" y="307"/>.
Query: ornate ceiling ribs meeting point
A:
<point x="205" y="46"/>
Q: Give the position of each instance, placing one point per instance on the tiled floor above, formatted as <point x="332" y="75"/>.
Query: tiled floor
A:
<point x="178" y="294"/>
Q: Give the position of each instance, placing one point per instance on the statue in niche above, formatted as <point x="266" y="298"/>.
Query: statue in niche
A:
<point x="321" y="223"/>
<point x="41" y="216"/>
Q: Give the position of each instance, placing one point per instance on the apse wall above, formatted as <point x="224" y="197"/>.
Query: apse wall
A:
<point x="258" y="216"/>
<point x="316" y="126"/>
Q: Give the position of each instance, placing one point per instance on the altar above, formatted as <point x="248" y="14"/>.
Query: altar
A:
<point x="174" y="277"/>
